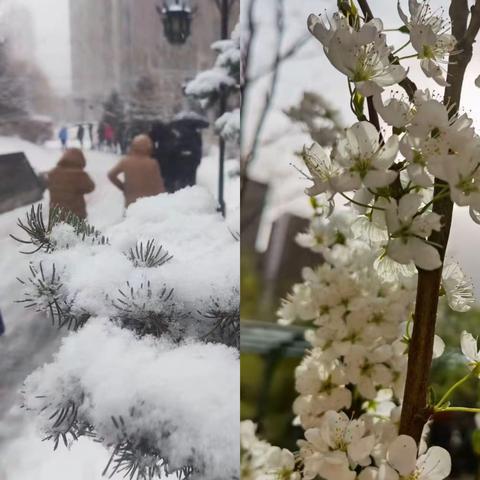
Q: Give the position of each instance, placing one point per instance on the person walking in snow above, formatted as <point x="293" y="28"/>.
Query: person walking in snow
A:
<point x="80" y="134"/>
<point x="163" y="141"/>
<point x="109" y="135"/>
<point x="101" y="135"/>
<point x="63" y="136"/>
<point x="142" y="176"/>
<point x="68" y="183"/>
<point x="90" y="134"/>
<point x="2" y="325"/>
<point x="187" y="150"/>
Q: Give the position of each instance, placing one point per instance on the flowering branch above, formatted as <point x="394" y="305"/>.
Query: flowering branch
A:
<point x="415" y="411"/>
<point x="372" y="325"/>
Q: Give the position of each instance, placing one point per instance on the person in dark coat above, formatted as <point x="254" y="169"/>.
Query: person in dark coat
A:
<point x="2" y="325"/>
<point x="163" y="144"/>
<point x="90" y="134"/>
<point x="187" y="151"/>
<point x="101" y="135"/>
<point x="80" y="134"/>
<point x="68" y="183"/>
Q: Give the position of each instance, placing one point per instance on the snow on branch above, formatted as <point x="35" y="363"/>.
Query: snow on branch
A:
<point x="161" y="408"/>
<point x="148" y="368"/>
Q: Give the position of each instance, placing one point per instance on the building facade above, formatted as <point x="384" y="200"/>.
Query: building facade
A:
<point x="119" y="45"/>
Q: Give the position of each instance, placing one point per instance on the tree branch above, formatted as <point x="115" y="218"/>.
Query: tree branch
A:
<point x="407" y="84"/>
<point x="415" y="411"/>
<point x="367" y="12"/>
<point x="250" y="155"/>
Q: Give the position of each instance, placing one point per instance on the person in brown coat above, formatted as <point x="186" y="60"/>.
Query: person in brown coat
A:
<point x="68" y="183"/>
<point x="142" y="175"/>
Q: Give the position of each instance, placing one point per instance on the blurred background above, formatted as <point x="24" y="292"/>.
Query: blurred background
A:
<point x="291" y="97"/>
<point x="92" y="75"/>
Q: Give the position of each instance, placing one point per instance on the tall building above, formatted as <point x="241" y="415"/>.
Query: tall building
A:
<point x="120" y="45"/>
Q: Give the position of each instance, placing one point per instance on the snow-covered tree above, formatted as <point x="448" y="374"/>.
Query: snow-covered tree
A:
<point x="114" y="110"/>
<point x="13" y="93"/>
<point x="219" y="86"/>
<point x="319" y="119"/>
<point x="150" y="367"/>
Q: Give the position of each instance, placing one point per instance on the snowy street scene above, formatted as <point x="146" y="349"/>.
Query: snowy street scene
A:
<point x="119" y="240"/>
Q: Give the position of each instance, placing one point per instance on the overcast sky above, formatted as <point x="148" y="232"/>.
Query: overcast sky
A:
<point x="52" y="49"/>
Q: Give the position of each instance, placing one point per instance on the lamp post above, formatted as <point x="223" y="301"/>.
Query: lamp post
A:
<point x="225" y="7"/>
<point x="177" y="19"/>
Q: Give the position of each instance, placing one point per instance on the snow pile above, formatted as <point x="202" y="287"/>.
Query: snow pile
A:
<point x="195" y="269"/>
<point x="184" y="400"/>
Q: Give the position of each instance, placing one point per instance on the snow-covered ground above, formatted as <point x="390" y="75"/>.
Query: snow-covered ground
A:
<point x="29" y="342"/>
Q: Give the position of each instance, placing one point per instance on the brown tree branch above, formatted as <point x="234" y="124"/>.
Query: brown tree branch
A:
<point x="415" y="411"/>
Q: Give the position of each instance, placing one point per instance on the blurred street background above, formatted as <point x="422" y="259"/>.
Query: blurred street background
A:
<point x="92" y="75"/>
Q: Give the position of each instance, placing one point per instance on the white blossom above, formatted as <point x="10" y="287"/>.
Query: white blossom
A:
<point x="363" y="159"/>
<point x="396" y="112"/>
<point x="363" y="55"/>
<point x="402" y="461"/>
<point x="335" y="446"/>
<point x="367" y="369"/>
<point x="321" y="168"/>
<point x="470" y="350"/>
<point x="262" y="461"/>
<point x="458" y="289"/>
<point x="408" y="230"/>
<point x="429" y="37"/>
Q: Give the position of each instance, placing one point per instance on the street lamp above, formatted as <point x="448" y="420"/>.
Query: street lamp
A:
<point x="225" y="8"/>
<point x="177" y="19"/>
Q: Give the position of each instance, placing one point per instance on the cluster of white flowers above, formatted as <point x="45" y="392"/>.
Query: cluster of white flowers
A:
<point x="362" y="55"/>
<point x="262" y="461"/>
<point x="393" y="176"/>
<point x="352" y="379"/>
<point x="358" y="304"/>
<point x="343" y="449"/>
<point x="429" y="38"/>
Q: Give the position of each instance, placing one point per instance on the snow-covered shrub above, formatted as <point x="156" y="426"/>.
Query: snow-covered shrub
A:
<point x="228" y="126"/>
<point x="150" y="400"/>
<point x="153" y="306"/>
<point x="221" y="83"/>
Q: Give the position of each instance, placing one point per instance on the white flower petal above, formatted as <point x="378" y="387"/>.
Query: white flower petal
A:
<point x="424" y="255"/>
<point x="438" y="347"/>
<point x="469" y="346"/>
<point x="361" y="449"/>
<point x="436" y="464"/>
<point x="402" y="455"/>
<point x="379" y="178"/>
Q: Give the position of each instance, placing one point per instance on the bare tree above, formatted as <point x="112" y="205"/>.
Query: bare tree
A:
<point x="249" y="78"/>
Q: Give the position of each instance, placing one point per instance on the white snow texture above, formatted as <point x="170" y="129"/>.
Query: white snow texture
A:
<point x="183" y="399"/>
<point x="176" y="403"/>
